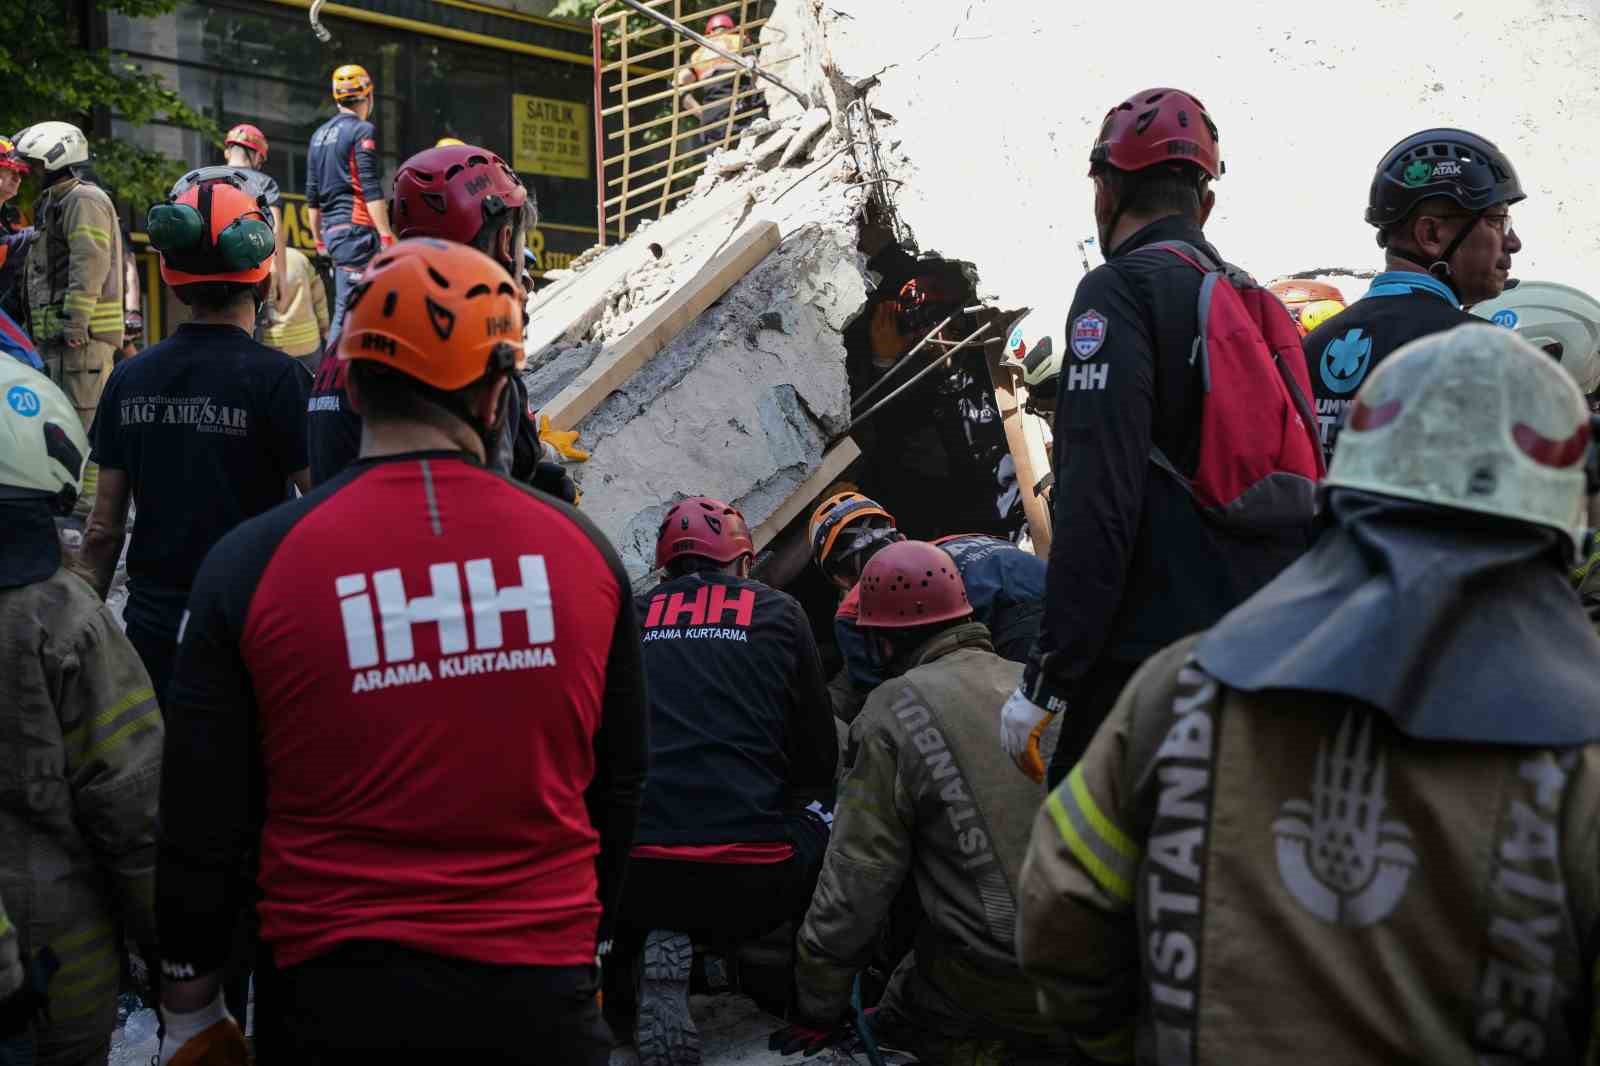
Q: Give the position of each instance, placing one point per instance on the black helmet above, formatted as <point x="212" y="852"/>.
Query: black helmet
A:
<point x="1455" y="164"/>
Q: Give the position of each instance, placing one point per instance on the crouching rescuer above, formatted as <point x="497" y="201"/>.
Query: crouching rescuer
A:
<point x="418" y="692"/>
<point x="929" y="800"/>
<point x="742" y="756"/>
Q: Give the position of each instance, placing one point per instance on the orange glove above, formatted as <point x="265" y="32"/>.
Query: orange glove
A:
<point x="385" y="240"/>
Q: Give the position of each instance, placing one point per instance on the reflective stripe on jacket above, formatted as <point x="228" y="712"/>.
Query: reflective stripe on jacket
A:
<point x="74" y="275"/>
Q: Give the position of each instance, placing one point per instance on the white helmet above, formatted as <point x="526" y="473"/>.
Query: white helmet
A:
<point x="1558" y="318"/>
<point x="53" y="144"/>
<point x="1477" y="419"/>
<point x="42" y="443"/>
<point x="1034" y="346"/>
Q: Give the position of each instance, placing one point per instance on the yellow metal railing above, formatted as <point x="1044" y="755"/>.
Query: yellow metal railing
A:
<point x="652" y="136"/>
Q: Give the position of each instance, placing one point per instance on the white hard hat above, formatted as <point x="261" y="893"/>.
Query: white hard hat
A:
<point x="1475" y="418"/>
<point x="43" y="447"/>
<point x="1564" y="321"/>
<point x="1034" y="345"/>
<point x="54" y="144"/>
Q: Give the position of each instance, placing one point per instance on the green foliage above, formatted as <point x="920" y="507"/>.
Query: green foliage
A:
<point x="48" y="75"/>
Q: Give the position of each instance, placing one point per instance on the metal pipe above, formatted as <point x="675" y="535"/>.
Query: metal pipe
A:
<point x="316" y="24"/>
<point x="901" y="363"/>
<point x="747" y="63"/>
<point x="924" y="372"/>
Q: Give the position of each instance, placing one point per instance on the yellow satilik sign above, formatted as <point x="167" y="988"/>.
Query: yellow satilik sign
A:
<point x="550" y="136"/>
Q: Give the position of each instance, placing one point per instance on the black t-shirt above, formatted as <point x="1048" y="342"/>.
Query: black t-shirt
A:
<point x="209" y="426"/>
<point x="741" y="725"/>
<point x="1400" y="307"/>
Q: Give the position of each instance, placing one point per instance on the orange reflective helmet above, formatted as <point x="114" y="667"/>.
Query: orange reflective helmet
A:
<point x="833" y="515"/>
<point x="351" y="82"/>
<point x="442" y="313"/>
<point x="212" y="231"/>
<point x="1310" y="303"/>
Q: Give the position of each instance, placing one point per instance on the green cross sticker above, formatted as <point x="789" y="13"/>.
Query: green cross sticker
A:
<point x="1417" y="172"/>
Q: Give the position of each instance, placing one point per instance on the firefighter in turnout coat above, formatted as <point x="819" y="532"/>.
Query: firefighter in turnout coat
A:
<point x="1268" y="856"/>
<point x="929" y="799"/>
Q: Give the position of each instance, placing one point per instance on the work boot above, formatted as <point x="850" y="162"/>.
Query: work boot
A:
<point x="664" y="1032"/>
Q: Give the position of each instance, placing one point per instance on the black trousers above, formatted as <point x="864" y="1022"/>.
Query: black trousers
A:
<point x="419" y="1009"/>
<point x="1101" y="687"/>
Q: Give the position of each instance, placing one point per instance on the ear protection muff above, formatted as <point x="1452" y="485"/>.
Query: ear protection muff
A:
<point x="181" y="231"/>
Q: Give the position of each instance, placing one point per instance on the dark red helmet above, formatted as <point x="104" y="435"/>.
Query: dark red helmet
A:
<point x="450" y="193"/>
<point x="924" y="302"/>
<point x="723" y="21"/>
<point x="1158" y="126"/>
<point x="703" y="527"/>
<point x="911" y="583"/>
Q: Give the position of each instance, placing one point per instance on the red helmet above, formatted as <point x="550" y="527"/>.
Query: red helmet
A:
<point x="723" y="21"/>
<point x="911" y="583"/>
<point x="9" y="159"/>
<point x="450" y="193"/>
<point x="1158" y="126"/>
<point x="924" y="301"/>
<point x="703" y="527"/>
<point x="247" y="136"/>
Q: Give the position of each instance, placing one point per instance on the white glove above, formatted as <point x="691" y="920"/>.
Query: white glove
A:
<point x="224" y="1045"/>
<point x="1021" y="722"/>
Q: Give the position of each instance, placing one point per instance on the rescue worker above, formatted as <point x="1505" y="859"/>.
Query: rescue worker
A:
<point x="1564" y="323"/>
<point x="1269" y="856"/>
<point x="440" y="855"/>
<point x="742" y="744"/>
<point x="15" y="238"/>
<point x="715" y="81"/>
<point x="208" y="416"/>
<point x="1005" y="587"/>
<point x="73" y="273"/>
<point x="937" y="453"/>
<point x="344" y="186"/>
<point x="1310" y="303"/>
<point x="927" y="799"/>
<point x="245" y="148"/>
<point x="1134" y="563"/>
<point x="1440" y="201"/>
<point x="81" y="743"/>
<point x="299" y="320"/>
<point x="470" y="196"/>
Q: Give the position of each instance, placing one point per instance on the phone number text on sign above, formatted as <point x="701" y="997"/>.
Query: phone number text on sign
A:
<point x="550" y="136"/>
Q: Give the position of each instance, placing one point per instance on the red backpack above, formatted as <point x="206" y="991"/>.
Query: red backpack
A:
<point x="1260" y="459"/>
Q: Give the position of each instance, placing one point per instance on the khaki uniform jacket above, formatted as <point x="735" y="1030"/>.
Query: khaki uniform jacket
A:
<point x="299" y="325"/>
<point x="929" y="795"/>
<point x="74" y="271"/>
<point x="80" y="769"/>
<point x="1242" y="879"/>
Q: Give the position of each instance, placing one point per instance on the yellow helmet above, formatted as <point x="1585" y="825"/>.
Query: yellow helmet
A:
<point x="1317" y="312"/>
<point x="351" y="82"/>
<point x="449" y="142"/>
<point x="834" y="514"/>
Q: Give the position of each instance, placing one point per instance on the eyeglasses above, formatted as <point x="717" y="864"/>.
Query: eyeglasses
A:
<point x="1500" y="223"/>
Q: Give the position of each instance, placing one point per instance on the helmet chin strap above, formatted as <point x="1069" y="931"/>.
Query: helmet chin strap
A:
<point x="1440" y="268"/>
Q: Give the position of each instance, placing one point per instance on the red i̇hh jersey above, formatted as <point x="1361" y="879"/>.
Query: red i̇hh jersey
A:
<point x="420" y="689"/>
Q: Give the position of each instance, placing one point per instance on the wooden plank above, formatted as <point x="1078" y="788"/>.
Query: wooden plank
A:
<point x="834" y="462"/>
<point x="568" y="308"/>
<point x="1031" y="465"/>
<point x="619" y="361"/>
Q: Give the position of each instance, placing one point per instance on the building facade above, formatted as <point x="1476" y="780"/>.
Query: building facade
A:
<point x="508" y="78"/>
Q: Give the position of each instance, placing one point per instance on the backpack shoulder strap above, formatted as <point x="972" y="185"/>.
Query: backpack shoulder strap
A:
<point x="1189" y="253"/>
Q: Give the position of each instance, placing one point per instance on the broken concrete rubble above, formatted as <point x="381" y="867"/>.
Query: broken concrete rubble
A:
<point x="745" y="401"/>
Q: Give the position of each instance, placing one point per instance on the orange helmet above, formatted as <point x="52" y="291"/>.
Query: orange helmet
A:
<point x="247" y="136"/>
<point x="351" y="82"/>
<point x="1310" y="303"/>
<point x="212" y="231"/>
<point x="442" y="313"/>
<point x="834" y="514"/>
